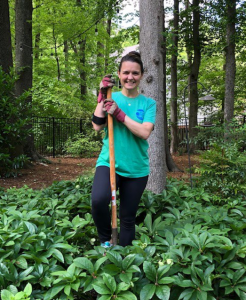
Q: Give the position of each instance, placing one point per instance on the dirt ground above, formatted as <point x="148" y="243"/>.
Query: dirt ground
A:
<point x="41" y="175"/>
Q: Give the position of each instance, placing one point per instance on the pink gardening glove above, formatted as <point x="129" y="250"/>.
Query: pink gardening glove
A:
<point x="111" y="107"/>
<point x="106" y="82"/>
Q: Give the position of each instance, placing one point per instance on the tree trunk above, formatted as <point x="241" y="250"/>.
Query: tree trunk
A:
<point x="194" y="71"/>
<point x="174" y="81"/>
<point x="56" y="54"/>
<point x="65" y="50"/>
<point x="171" y="166"/>
<point x="151" y="39"/>
<point x="6" y="59"/>
<point x="109" y="21"/>
<point x="82" y="72"/>
<point x="230" y="69"/>
<point x="24" y="63"/>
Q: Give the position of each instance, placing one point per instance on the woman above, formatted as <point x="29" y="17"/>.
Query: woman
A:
<point x="134" y="118"/>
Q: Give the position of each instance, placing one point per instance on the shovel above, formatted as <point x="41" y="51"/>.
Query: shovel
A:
<point x="112" y="173"/>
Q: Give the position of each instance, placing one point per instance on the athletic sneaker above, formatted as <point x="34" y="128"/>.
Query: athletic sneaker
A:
<point x="106" y="244"/>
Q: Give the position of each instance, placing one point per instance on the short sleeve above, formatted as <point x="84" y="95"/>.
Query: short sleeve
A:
<point x="150" y="114"/>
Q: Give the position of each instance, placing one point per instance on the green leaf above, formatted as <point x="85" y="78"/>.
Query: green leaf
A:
<point x="67" y="290"/>
<point x="23" y="275"/>
<point x="237" y="275"/>
<point x="21" y="262"/>
<point x="115" y="258"/>
<point x="6" y="295"/>
<point x="99" y="262"/>
<point x="58" y="255"/>
<point x="126" y="296"/>
<point x="150" y="271"/>
<point x="28" y="289"/>
<point x="148" y="222"/>
<point x="186" y="294"/>
<point x="105" y="297"/>
<point x="163" y="270"/>
<point x="163" y="292"/>
<point x="208" y="271"/>
<point x="126" y="277"/>
<point x="122" y="286"/>
<point x="166" y="280"/>
<point x="29" y="227"/>
<point x="84" y="263"/>
<point x="128" y="260"/>
<point x="147" y="292"/>
<point x="101" y="288"/>
<point x="110" y="282"/>
<point x="53" y="292"/>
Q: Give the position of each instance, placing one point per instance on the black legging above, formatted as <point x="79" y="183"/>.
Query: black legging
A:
<point x="131" y="190"/>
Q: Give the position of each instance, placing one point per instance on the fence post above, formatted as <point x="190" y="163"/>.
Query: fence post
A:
<point x="53" y="121"/>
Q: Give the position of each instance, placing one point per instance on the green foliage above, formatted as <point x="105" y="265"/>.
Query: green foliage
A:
<point x="82" y="145"/>
<point x="13" y="124"/>
<point x="222" y="168"/>
<point x="188" y="246"/>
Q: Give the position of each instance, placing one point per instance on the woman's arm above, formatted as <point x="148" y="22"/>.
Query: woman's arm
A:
<point x="141" y="130"/>
<point x="101" y="114"/>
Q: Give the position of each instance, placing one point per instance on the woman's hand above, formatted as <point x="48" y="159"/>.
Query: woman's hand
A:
<point x="111" y="107"/>
<point x="107" y="82"/>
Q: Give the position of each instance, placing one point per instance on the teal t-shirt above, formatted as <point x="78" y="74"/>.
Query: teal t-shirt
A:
<point x="131" y="152"/>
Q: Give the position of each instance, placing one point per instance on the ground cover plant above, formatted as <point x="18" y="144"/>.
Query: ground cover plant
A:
<point x="188" y="246"/>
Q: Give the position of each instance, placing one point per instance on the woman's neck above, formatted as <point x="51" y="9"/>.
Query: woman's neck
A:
<point x="130" y="93"/>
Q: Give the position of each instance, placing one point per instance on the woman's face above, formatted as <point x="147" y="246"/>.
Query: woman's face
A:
<point x="130" y="75"/>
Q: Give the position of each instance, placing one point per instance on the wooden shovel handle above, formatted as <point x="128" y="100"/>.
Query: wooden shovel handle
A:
<point x="112" y="172"/>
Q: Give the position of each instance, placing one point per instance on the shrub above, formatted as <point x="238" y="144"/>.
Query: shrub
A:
<point x="82" y="145"/>
<point x="13" y="123"/>
<point x="187" y="247"/>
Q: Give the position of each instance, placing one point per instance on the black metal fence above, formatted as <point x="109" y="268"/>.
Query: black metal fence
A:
<point x="51" y="134"/>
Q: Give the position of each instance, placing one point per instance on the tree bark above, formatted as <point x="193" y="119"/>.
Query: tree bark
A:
<point x="174" y="80"/>
<point x="24" y="64"/>
<point x="151" y="39"/>
<point x="230" y="68"/>
<point x="194" y="71"/>
<point x="171" y="166"/>
<point x="6" y="58"/>
<point x="109" y="21"/>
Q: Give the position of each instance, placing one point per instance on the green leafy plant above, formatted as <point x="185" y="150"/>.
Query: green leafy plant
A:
<point x="13" y="125"/>
<point x="82" y="145"/>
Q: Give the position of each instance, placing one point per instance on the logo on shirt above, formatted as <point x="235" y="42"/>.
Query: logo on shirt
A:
<point x="140" y="114"/>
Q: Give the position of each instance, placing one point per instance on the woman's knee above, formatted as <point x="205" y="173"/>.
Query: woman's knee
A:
<point x="99" y="201"/>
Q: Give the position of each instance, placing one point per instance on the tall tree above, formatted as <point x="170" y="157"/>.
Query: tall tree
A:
<point x="194" y="69"/>
<point x="151" y="39"/>
<point x="171" y="166"/>
<point x="230" y="68"/>
<point x="6" y="60"/>
<point x="174" y="79"/>
<point x="24" y="61"/>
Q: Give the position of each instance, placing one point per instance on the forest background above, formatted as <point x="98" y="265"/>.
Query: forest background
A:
<point x="61" y="49"/>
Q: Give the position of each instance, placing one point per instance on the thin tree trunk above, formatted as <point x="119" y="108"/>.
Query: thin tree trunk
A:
<point x="171" y="166"/>
<point x="82" y="72"/>
<point x="174" y="81"/>
<point x="230" y="69"/>
<point x="6" y="59"/>
<point x="56" y="55"/>
<point x="65" y="50"/>
<point x="151" y="39"/>
<point x="109" y="21"/>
